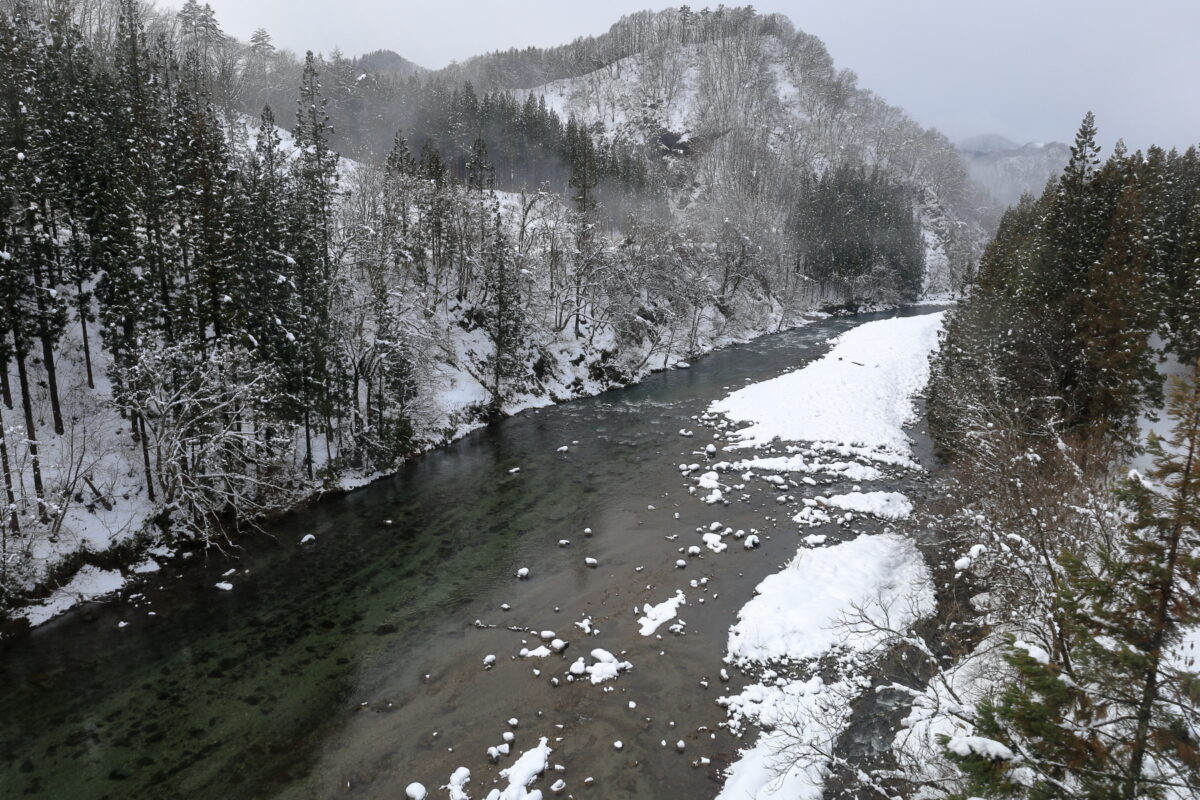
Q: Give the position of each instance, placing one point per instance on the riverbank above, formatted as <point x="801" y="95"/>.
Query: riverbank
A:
<point x="814" y="631"/>
<point x="111" y="538"/>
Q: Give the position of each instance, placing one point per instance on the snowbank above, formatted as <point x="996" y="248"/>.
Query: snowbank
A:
<point x="89" y="583"/>
<point x="860" y="394"/>
<point x="804" y="717"/>
<point x="853" y="403"/>
<point x="885" y="505"/>
<point x="799" y="462"/>
<point x="796" y="613"/>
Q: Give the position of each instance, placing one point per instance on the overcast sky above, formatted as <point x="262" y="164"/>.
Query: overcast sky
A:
<point x="1025" y="69"/>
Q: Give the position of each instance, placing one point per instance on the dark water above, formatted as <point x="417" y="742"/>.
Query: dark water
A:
<point x="350" y="666"/>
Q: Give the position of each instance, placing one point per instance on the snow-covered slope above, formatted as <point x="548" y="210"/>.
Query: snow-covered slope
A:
<point x="452" y="401"/>
<point x="750" y="116"/>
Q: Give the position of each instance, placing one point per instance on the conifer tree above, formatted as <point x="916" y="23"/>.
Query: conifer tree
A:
<point x="1185" y="334"/>
<point x="202" y="164"/>
<point x="503" y="320"/>
<point x="1113" y="715"/>
<point x="311" y="233"/>
<point x="1076" y="224"/>
<point x="1114" y="328"/>
<point x="267" y="272"/>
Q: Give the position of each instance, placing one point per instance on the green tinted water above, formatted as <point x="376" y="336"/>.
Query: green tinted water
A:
<point x="309" y="678"/>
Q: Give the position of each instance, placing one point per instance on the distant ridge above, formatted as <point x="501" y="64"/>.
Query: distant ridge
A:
<point x="1007" y="170"/>
<point x="986" y="143"/>
<point x="389" y="62"/>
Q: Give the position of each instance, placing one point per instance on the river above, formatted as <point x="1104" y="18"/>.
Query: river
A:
<point x="351" y="665"/>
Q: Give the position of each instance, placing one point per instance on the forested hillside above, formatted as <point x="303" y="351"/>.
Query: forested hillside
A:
<point x="231" y="278"/>
<point x="1065" y="397"/>
<point x="740" y="120"/>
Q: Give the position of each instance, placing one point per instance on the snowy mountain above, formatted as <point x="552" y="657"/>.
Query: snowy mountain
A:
<point x="739" y="110"/>
<point x="1008" y="171"/>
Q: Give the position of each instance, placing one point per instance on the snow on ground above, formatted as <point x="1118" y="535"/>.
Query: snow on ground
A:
<point x="885" y="505"/>
<point x="802" y="462"/>
<point x="1168" y="367"/>
<point x="89" y="583"/>
<point x="804" y="717"/>
<point x="797" y="616"/>
<point x="827" y="601"/>
<point x="859" y="394"/>
<point x="943" y="709"/>
<point x="796" y="612"/>
<point x="656" y="615"/>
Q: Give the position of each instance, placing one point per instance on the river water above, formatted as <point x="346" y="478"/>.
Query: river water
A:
<point x="351" y="665"/>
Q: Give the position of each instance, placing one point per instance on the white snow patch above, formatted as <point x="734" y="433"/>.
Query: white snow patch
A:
<point x="796" y="612"/>
<point x="656" y="615"/>
<point x="979" y="745"/>
<point x="523" y="772"/>
<point x="89" y="583"/>
<point x="458" y="783"/>
<point x="850" y="470"/>
<point x="606" y="668"/>
<point x="885" y="505"/>
<point x="859" y="394"/>
<point x="805" y="718"/>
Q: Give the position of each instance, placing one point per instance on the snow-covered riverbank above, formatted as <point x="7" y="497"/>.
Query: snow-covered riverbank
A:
<point x="808" y="634"/>
<point x="114" y="528"/>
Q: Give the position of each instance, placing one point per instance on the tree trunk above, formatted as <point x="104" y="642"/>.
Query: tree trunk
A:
<point x="47" y="348"/>
<point x="5" y="388"/>
<point x="87" y="347"/>
<point x="1166" y="595"/>
<point x="10" y="495"/>
<point x="308" y="454"/>
<point x="139" y="431"/>
<point x="30" y="430"/>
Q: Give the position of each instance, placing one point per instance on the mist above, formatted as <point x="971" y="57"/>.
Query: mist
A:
<point x="1026" y="70"/>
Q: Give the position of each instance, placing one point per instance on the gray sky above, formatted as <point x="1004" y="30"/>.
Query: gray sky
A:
<point x="1025" y="69"/>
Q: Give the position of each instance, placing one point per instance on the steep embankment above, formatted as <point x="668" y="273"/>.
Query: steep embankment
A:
<point x="106" y="534"/>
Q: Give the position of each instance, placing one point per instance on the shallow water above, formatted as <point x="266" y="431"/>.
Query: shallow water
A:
<point x="351" y="666"/>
